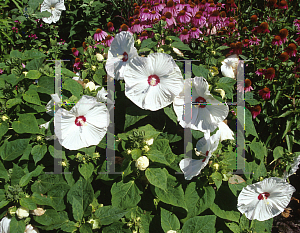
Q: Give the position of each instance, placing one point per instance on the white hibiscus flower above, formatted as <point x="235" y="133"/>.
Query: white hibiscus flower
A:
<point x="225" y="132"/>
<point x="207" y="112"/>
<point x="293" y="169"/>
<point x="50" y="105"/>
<point x="84" y="125"/>
<point x="4" y="225"/>
<point x="152" y="82"/>
<point x="265" y="199"/>
<point x="55" y="7"/>
<point x="229" y="66"/>
<point x="205" y="147"/>
<point x="120" y="52"/>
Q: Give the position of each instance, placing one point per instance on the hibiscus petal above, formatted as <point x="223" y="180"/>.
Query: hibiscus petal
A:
<point x="191" y="167"/>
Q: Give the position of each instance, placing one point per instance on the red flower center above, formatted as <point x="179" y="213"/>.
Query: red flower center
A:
<point x="125" y="56"/>
<point x="79" y="121"/>
<point x="264" y="195"/>
<point x="153" y="80"/>
<point x="206" y="154"/>
<point x="201" y="100"/>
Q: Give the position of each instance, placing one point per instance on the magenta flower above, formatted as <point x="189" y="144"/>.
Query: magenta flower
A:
<point x="170" y="19"/>
<point x="158" y="6"/>
<point x="75" y="52"/>
<point x="269" y="73"/>
<point x="265" y="93"/>
<point x="100" y="35"/>
<point x="260" y="72"/>
<point x="184" y="16"/>
<point x="154" y="15"/>
<point x="145" y="15"/>
<point x="108" y="40"/>
<point x="110" y="26"/>
<point x="254" y="41"/>
<point x="195" y="33"/>
<point x="136" y="26"/>
<point x="171" y="8"/>
<point x="198" y="20"/>
<point x="277" y="41"/>
<point x="184" y="36"/>
<point x="297" y="23"/>
<point x="291" y="50"/>
<point x="214" y="17"/>
<point x="78" y="64"/>
<point x="180" y="6"/>
<point x="144" y="35"/>
<point x="1" y="71"/>
<point x="255" y="111"/>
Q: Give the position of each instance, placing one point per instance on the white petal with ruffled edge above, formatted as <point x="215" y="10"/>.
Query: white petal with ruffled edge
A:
<point x="280" y="193"/>
<point x="226" y="132"/>
<point x="205" y="119"/>
<point x="74" y="137"/>
<point x="123" y="42"/>
<point x="55" y="7"/>
<point x="158" y="96"/>
<point x="4" y="225"/>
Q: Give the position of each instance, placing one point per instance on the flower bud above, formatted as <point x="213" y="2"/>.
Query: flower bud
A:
<point x="149" y="142"/>
<point x="25" y="73"/>
<point x="171" y="231"/>
<point x="146" y="148"/>
<point x="99" y="57"/>
<point x="216" y="166"/>
<point x="178" y="52"/>
<point x="91" y="86"/>
<point x="94" y="68"/>
<point x="4" y="118"/>
<point x="221" y="92"/>
<point x="138" y="41"/>
<point x="142" y="163"/>
<point x="22" y="212"/>
<point x="38" y="211"/>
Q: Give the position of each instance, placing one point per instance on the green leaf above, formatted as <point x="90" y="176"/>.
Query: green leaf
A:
<point x="3" y="172"/>
<point x="169" y="111"/>
<point x="69" y="226"/>
<point x="198" y="199"/>
<point x="51" y="217"/>
<point x="161" y="147"/>
<point x="288" y="126"/>
<point x="74" y="87"/>
<point x="169" y="221"/>
<point x="4" y="203"/>
<point x="12" y="102"/>
<point x="157" y="156"/>
<point x="15" y="54"/>
<point x="200" y="71"/>
<point x="244" y="223"/>
<point x="45" y="85"/>
<point x="229" y="215"/>
<point x="33" y="53"/>
<point x="227" y="84"/>
<point x="133" y="115"/>
<point x="86" y="228"/>
<point x="109" y="214"/>
<point x="25" y="179"/>
<point x="33" y="74"/>
<point x="17" y="226"/>
<point x="77" y="209"/>
<point x="56" y="194"/>
<point x="217" y="178"/>
<point x="236" y="183"/>
<point x="125" y="195"/>
<point x="181" y="46"/>
<point x="44" y="14"/>
<point x="26" y="124"/>
<point x="82" y="191"/>
<point x="157" y="177"/>
<point x="32" y="96"/>
<point x="67" y="72"/>
<point x="3" y="128"/>
<point x="148" y="43"/>
<point x="12" y="150"/>
<point x="222" y="47"/>
<point x="249" y="126"/>
<point x="34" y="65"/>
<point x="278" y="152"/>
<point x="86" y="170"/>
<point x="41" y="200"/>
<point x="28" y="203"/>
<point x="136" y="153"/>
<point x="233" y="227"/>
<point x="259" y="149"/>
<point x="38" y="152"/>
<point x="46" y="181"/>
<point x="200" y="224"/>
<point x="13" y="79"/>
<point x="262" y="226"/>
<point x="173" y="195"/>
<point x="260" y="170"/>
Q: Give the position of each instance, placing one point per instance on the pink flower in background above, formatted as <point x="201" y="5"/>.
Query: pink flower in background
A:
<point x="184" y="16"/>
<point x="144" y="35"/>
<point x="291" y="50"/>
<point x="283" y="5"/>
<point x="269" y="73"/>
<point x="255" y="111"/>
<point x="100" y="35"/>
<point x="15" y="29"/>
<point x="23" y="65"/>
<point x="154" y="15"/>
<point x="181" y="5"/>
<point x="277" y="41"/>
<point x="192" y="8"/>
<point x="145" y="15"/>
<point x="1" y="71"/>
<point x="195" y="33"/>
<point x="170" y="19"/>
<point x="260" y="72"/>
<point x="199" y="20"/>
<point x="75" y="52"/>
<point x="110" y="26"/>
<point x="158" y="6"/>
<point x="297" y="23"/>
<point x="184" y="36"/>
<point x="248" y="86"/>
<point x="108" y="40"/>
<point x="265" y="93"/>
<point x="136" y="26"/>
<point x="78" y="64"/>
<point x="254" y="41"/>
<point x="171" y="8"/>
